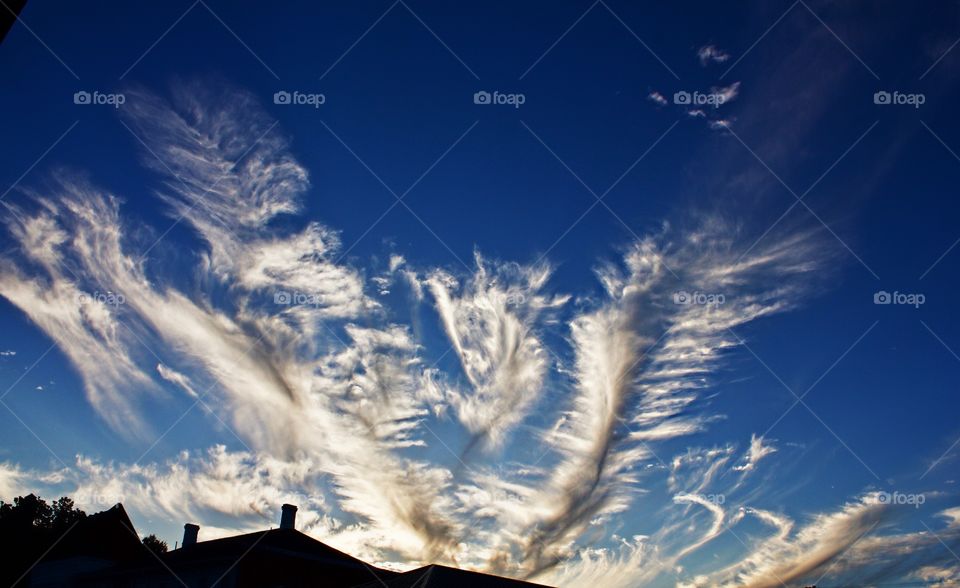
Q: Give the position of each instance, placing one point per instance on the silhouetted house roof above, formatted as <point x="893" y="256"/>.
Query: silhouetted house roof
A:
<point x="437" y="576"/>
<point x="108" y="535"/>
<point x="104" y="551"/>
<point x="97" y="542"/>
<point x="278" y="557"/>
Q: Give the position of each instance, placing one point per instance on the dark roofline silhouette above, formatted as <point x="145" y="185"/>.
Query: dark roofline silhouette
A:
<point x="435" y="575"/>
<point x="105" y="550"/>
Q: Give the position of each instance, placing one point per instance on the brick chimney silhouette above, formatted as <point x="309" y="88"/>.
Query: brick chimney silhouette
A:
<point x="190" y="532"/>
<point x="288" y="516"/>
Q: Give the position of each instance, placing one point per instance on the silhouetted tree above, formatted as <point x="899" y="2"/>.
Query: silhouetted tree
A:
<point x="29" y="527"/>
<point x="26" y="511"/>
<point x="65" y="514"/>
<point x="154" y="544"/>
<point x="31" y="511"/>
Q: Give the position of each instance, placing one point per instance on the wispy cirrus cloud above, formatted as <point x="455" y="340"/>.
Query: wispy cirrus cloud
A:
<point x="491" y="322"/>
<point x="59" y="284"/>
<point x="726" y="94"/>
<point x="758" y="450"/>
<point x="329" y="389"/>
<point x="858" y="543"/>
<point x="283" y="385"/>
<point x="847" y="544"/>
<point x="641" y="358"/>
<point x="175" y="377"/>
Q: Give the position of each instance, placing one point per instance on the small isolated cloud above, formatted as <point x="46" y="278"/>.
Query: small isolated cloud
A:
<point x="726" y="94"/>
<point x="384" y="281"/>
<point x="657" y="97"/>
<point x="755" y="453"/>
<point x="700" y="104"/>
<point x="711" y="54"/>
<point x="396" y="262"/>
<point x="7" y="353"/>
<point x="720" y="124"/>
<point x="383" y="284"/>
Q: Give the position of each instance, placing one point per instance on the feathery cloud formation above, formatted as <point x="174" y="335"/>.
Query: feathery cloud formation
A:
<point x="336" y="407"/>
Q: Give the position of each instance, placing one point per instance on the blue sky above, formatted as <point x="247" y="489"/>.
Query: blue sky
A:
<point x="589" y="333"/>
